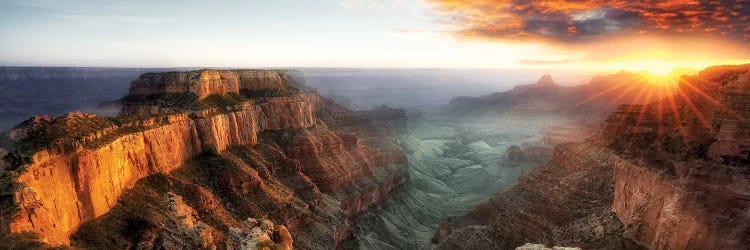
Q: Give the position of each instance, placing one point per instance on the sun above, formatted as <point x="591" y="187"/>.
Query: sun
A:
<point x="661" y="70"/>
<point x="657" y="67"/>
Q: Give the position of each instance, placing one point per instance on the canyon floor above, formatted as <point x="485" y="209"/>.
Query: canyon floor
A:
<point x="454" y="164"/>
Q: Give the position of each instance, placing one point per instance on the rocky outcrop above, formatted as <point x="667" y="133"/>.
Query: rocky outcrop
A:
<point x="188" y="230"/>
<point x="201" y="83"/>
<point x="260" y="234"/>
<point x="76" y="169"/>
<point x="206" y="82"/>
<point x="531" y="246"/>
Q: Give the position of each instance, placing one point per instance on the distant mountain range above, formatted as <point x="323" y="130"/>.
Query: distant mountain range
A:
<point x="592" y="101"/>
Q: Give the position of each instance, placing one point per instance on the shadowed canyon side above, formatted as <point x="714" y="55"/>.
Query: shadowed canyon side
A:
<point x="671" y="174"/>
<point x="192" y="157"/>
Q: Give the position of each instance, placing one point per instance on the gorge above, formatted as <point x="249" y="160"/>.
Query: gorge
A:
<point x="253" y="159"/>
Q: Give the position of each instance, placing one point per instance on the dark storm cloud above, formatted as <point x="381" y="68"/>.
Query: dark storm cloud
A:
<point x="575" y="21"/>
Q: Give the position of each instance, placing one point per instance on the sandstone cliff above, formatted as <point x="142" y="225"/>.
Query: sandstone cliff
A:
<point x="92" y="171"/>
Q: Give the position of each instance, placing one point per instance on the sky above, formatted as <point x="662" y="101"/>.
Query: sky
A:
<point x="495" y="34"/>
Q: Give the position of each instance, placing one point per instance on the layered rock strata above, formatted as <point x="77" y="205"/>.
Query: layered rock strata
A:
<point x="67" y="175"/>
<point x="69" y="183"/>
<point x="203" y="83"/>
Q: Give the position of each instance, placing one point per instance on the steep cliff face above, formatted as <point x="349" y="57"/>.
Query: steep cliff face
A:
<point x="707" y="209"/>
<point x="63" y="189"/>
<point x="76" y="169"/>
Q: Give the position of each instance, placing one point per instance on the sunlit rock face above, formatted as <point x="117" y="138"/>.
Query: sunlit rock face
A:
<point x="203" y="83"/>
<point x="260" y="79"/>
<point x="89" y="176"/>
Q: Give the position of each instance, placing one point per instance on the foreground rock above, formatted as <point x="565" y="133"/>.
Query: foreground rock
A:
<point x="530" y="246"/>
<point x="97" y="182"/>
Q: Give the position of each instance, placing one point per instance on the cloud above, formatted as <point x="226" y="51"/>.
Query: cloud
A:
<point x="582" y="21"/>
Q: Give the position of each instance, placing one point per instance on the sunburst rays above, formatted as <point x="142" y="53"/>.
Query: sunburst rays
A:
<point x="673" y="101"/>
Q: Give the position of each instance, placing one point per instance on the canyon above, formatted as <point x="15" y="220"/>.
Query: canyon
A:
<point x="275" y="156"/>
<point x="254" y="159"/>
<point x="663" y="175"/>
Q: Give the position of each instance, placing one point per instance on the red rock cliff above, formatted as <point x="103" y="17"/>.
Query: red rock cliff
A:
<point x="63" y="189"/>
<point x="80" y="178"/>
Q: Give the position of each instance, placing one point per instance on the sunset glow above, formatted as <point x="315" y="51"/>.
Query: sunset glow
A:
<point x="490" y="34"/>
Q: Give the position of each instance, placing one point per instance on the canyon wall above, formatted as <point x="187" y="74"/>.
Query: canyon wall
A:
<point x="707" y="209"/>
<point x="63" y="189"/>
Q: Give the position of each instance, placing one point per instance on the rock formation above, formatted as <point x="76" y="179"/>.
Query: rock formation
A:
<point x="83" y="175"/>
<point x="531" y="246"/>
<point x="667" y="175"/>
<point x="262" y="235"/>
<point x="203" y="83"/>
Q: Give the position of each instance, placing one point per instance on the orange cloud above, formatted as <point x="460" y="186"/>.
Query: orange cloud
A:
<point x="581" y="21"/>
